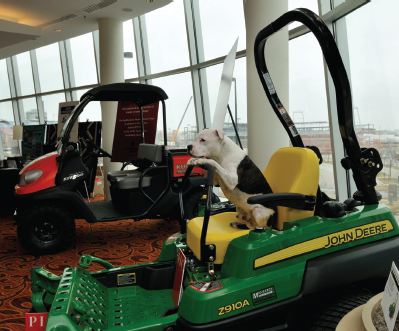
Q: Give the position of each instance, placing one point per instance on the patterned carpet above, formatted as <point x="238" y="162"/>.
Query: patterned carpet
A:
<point x="121" y="243"/>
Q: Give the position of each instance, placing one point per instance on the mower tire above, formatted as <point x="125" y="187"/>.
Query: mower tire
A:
<point x="45" y="229"/>
<point x="329" y="317"/>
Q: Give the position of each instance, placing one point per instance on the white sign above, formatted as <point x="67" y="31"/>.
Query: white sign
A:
<point x="390" y="298"/>
<point x="64" y="110"/>
<point x="224" y="89"/>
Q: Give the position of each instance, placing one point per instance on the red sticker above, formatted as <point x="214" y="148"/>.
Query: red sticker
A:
<point x="179" y="276"/>
<point x="35" y="321"/>
<point x="206" y="287"/>
<point x="180" y="166"/>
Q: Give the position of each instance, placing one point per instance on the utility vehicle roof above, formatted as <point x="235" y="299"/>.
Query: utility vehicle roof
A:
<point x="141" y="94"/>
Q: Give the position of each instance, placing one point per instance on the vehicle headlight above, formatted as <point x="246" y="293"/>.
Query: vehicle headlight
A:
<point x="30" y="176"/>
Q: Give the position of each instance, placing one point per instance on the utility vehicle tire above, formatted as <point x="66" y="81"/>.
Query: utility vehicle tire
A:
<point x="45" y="229"/>
<point x="329" y="317"/>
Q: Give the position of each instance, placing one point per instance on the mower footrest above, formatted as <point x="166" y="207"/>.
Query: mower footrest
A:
<point x="83" y="303"/>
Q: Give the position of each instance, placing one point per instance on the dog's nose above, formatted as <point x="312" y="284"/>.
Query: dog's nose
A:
<point x="189" y="147"/>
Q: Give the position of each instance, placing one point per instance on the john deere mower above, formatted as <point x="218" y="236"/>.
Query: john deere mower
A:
<point x="212" y="276"/>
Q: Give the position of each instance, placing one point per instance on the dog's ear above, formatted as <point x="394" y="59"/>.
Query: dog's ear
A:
<point x="219" y="133"/>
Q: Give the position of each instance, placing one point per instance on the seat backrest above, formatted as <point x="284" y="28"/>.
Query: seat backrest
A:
<point x="150" y="152"/>
<point x="293" y="170"/>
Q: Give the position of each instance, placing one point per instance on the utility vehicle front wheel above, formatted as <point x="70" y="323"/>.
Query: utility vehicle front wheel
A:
<point x="45" y="230"/>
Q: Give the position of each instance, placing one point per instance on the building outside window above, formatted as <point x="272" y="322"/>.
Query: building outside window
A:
<point x="193" y="84"/>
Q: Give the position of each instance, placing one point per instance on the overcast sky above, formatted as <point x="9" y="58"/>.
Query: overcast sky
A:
<point x="373" y="61"/>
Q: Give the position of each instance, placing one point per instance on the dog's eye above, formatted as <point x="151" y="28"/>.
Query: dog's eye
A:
<point x="202" y="140"/>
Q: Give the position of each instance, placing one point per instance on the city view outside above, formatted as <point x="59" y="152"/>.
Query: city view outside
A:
<point x="363" y="37"/>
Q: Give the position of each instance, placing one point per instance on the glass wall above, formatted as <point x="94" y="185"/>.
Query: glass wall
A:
<point x="221" y="22"/>
<point x="308" y="102"/>
<point x="9" y="146"/>
<point x="373" y="66"/>
<point x="4" y="82"/>
<point x="50" y="106"/>
<point x="24" y="74"/>
<point x="237" y="100"/>
<point x="83" y="61"/>
<point x="129" y="50"/>
<point x="28" y="111"/>
<point x="206" y="30"/>
<point x="49" y="68"/>
<point x="180" y="112"/>
<point x="166" y="30"/>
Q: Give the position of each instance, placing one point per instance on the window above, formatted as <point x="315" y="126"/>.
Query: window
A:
<point x="373" y="68"/>
<point x="237" y="100"/>
<point x="4" y="83"/>
<point x="24" y="69"/>
<point x="92" y="111"/>
<point x="309" y="4"/>
<point x="129" y="50"/>
<point x="10" y="146"/>
<point x="179" y="110"/>
<point x="28" y="111"/>
<point x="222" y="21"/>
<point x="49" y="67"/>
<point x="50" y="106"/>
<point x="83" y="60"/>
<point x="167" y="40"/>
<point x="6" y="112"/>
<point x="308" y="102"/>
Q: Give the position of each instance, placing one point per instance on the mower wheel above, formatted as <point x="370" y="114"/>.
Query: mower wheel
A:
<point x="330" y="315"/>
<point x="45" y="229"/>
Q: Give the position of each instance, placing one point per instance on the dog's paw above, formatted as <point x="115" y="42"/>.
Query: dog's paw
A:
<point x="193" y="161"/>
<point x="261" y="215"/>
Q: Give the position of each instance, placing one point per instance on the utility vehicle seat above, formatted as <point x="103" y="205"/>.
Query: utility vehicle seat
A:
<point x="290" y="170"/>
<point x="129" y="179"/>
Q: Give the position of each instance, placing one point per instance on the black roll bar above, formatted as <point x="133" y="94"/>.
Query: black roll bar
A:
<point x="365" y="163"/>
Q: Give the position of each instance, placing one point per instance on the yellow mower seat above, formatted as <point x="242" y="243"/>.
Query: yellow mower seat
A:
<point x="293" y="170"/>
<point x="220" y="233"/>
<point x="290" y="170"/>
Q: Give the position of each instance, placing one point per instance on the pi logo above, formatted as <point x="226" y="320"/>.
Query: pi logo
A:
<point x="35" y="321"/>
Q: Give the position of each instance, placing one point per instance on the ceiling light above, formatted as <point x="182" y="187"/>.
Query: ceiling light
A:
<point x="58" y="30"/>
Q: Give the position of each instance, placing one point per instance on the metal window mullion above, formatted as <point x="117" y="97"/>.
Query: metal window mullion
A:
<point x="64" y="70"/>
<point x="341" y="37"/>
<point x="17" y="88"/>
<point x="13" y="92"/>
<point x="337" y="147"/>
<point x="141" y="43"/>
<point x="96" y="44"/>
<point x="199" y="79"/>
<point x="195" y="73"/>
<point x="37" y="87"/>
<point x="67" y="51"/>
<point x="330" y="16"/>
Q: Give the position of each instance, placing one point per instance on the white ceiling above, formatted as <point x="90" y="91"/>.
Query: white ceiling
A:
<point x="28" y="24"/>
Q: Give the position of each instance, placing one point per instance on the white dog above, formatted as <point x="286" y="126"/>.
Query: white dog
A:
<point x="235" y="173"/>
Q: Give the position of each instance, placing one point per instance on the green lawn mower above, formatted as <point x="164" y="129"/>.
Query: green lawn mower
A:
<point x="212" y="276"/>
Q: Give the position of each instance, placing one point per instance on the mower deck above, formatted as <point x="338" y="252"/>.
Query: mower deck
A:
<point x="83" y="300"/>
